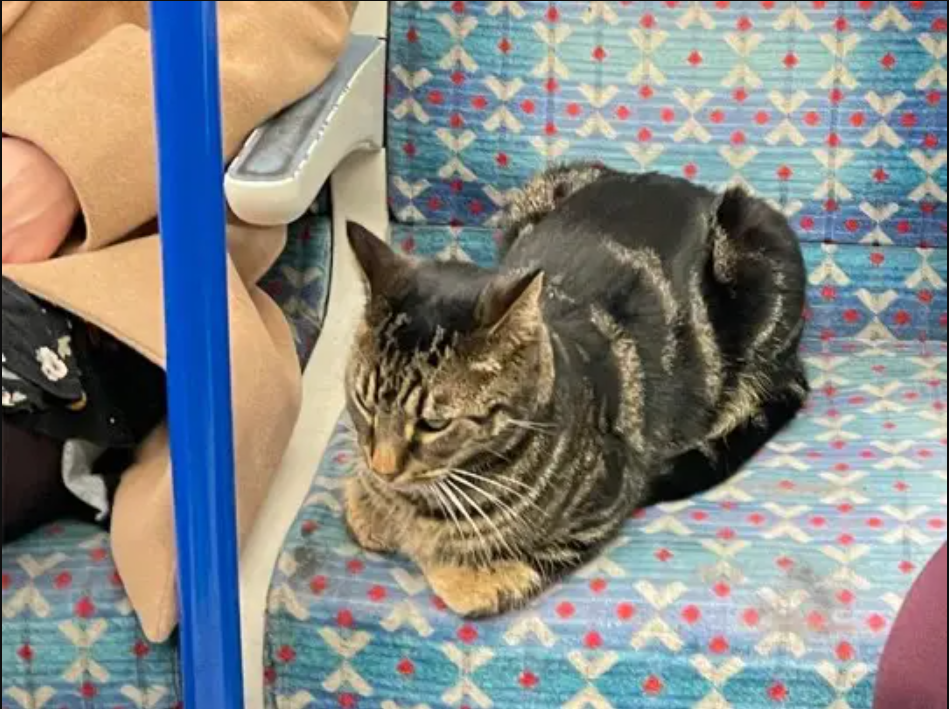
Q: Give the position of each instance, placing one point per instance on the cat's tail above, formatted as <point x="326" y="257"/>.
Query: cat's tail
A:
<point x="543" y="194"/>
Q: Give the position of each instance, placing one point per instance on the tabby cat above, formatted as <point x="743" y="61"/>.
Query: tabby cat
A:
<point x="637" y="344"/>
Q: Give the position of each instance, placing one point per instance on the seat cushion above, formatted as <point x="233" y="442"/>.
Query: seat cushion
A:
<point x="70" y="638"/>
<point x="836" y="111"/>
<point x="299" y="281"/>
<point x="827" y="107"/>
<point x="778" y="589"/>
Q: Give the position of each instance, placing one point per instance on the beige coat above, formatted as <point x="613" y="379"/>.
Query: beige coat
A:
<point x="77" y="82"/>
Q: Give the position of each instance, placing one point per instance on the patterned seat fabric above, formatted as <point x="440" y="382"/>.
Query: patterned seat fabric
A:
<point x="834" y="110"/>
<point x="779" y="589"/>
<point x="299" y="281"/>
<point x="69" y="636"/>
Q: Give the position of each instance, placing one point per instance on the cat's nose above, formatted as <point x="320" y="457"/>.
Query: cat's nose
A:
<point x="386" y="461"/>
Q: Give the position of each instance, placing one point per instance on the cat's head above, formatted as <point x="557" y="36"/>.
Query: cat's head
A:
<point x="448" y="360"/>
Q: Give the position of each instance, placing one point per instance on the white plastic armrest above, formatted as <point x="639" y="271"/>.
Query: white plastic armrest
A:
<point x="285" y="163"/>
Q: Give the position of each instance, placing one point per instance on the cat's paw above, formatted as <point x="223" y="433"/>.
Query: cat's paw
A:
<point x="364" y="524"/>
<point x="476" y="593"/>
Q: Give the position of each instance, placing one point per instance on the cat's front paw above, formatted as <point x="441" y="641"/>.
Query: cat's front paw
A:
<point x="364" y="523"/>
<point x="476" y="593"/>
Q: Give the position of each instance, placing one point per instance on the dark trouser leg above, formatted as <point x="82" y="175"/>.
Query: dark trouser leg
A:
<point x="913" y="670"/>
<point x="33" y="490"/>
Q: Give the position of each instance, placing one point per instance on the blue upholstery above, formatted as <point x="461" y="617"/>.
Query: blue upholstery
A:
<point x="70" y="638"/>
<point x="779" y="589"/>
<point x="299" y="281"/>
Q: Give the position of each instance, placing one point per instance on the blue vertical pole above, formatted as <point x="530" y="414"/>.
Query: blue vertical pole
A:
<point x="192" y="225"/>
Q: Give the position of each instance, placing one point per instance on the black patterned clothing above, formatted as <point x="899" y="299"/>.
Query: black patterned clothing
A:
<point x="67" y="380"/>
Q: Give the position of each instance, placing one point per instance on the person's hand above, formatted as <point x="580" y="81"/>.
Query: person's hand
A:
<point x="39" y="204"/>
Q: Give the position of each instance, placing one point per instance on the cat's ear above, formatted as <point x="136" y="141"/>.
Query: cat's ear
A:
<point x="511" y="305"/>
<point x="382" y="267"/>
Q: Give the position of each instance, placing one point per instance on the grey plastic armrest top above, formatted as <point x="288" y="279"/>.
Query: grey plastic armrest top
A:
<point x="270" y="180"/>
<point x="278" y="149"/>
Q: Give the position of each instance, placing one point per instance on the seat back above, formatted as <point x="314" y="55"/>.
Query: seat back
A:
<point x="836" y="111"/>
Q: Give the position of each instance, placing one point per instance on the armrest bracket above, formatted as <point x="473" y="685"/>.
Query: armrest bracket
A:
<point x="286" y="162"/>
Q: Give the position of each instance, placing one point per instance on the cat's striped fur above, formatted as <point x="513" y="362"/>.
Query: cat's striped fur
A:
<point x="638" y="344"/>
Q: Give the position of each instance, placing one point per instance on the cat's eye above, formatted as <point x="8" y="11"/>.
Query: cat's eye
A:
<point x="433" y="425"/>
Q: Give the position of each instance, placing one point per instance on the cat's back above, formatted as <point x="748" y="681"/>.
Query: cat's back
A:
<point x="649" y="211"/>
<point x="590" y="240"/>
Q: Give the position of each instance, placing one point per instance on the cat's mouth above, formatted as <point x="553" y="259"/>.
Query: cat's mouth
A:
<point x="406" y="481"/>
<point x="415" y="483"/>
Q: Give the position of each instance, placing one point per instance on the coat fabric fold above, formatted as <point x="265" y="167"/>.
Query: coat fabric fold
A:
<point x="77" y="83"/>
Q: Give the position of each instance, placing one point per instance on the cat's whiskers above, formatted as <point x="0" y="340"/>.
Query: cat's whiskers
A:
<point x="542" y="424"/>
<point x="502" y="478"/>
<point x="500" y="484"/>
<point x="451" y="491"/>
<point x="453" y="483"/>
<point x="545" y="429"/>
<point x="510" y="513"/>
<point x="443" y="502"/>
<point x="446" y="508"/>
<point x="499" y="456"/>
